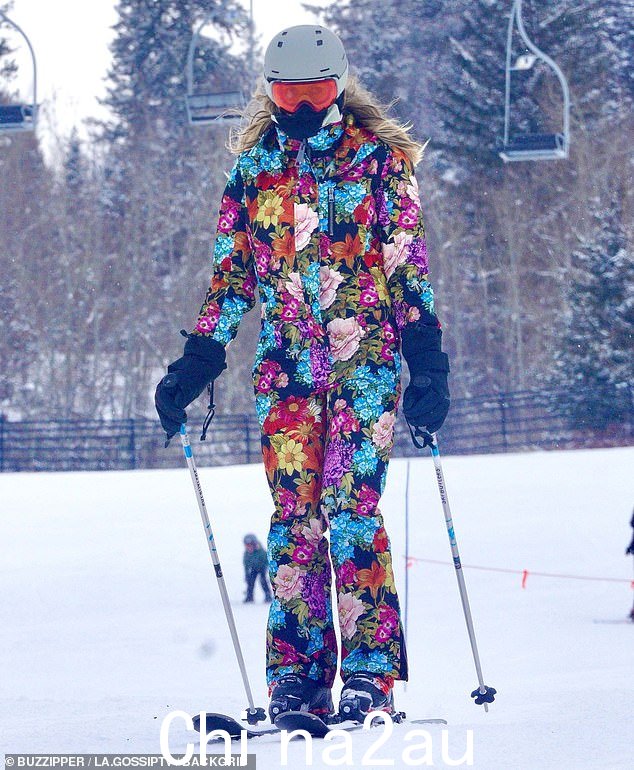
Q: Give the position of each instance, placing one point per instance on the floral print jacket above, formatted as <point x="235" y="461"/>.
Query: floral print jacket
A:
<point x="329" y="232"/>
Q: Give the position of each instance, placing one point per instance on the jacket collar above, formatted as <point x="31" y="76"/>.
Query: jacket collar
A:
<point x="323" y="140"/>
<point x="336" y="148"/>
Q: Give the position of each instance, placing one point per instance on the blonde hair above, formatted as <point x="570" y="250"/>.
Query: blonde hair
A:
<point x="364" y="108"/>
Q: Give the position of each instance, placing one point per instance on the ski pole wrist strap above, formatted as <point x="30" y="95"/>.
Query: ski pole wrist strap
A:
<point x="416" y="433"/>
<point x="211" y="411"/>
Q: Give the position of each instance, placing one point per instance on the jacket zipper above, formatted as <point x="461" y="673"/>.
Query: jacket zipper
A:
<point x="300" y="155"/>
<point x="331" y="211"/>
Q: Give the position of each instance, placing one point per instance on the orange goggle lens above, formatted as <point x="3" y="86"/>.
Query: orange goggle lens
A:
<point x="319" y="94"/>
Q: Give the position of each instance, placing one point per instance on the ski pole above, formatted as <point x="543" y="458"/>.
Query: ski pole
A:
<point x="406" y="558"/>
<point x="483" y="694"/>
<point x="254" y="714"/>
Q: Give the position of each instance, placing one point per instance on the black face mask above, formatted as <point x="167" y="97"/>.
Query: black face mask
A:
<point x="302" y="123"/>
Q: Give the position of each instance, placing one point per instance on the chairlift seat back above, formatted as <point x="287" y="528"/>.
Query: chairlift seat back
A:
<point x="16" y="117"/>
<point x="535" y="147"/>
<point x="209" y="107"/>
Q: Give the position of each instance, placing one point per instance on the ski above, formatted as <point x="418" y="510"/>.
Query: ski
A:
<point x="230" y="725"/>
<point x="628" y="621"/>
<point x="290" y="720"/>
<point x="318" y="728"/>
<point x="426" y="721"/>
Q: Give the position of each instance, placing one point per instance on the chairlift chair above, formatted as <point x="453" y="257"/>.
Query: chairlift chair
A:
<point x="207" y="107"/>
<point x="553" y="146"/>
<point x="20" y="117"/>
<point x="203" y="109"/>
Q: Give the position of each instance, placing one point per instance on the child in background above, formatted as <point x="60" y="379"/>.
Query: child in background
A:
<point x="255" y="565"/>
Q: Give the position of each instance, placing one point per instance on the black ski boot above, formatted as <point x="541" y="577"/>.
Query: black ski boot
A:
<point x="363" y="693"/>
<point x="293" y="692"/>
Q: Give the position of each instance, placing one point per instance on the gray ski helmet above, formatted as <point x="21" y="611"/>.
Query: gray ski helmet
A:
<point x="305" y="52"/>
<point x="250" y="540"/>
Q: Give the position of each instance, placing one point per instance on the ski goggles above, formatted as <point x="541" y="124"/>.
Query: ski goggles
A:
<point x="290" y="94"/>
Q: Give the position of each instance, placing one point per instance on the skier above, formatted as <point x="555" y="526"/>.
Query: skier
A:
<point x="630" y="550"/>
<point x="255" y="566"/>
<point x="321" y="216"/>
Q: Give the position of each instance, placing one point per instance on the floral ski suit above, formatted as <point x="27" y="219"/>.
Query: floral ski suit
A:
<point x="329" y="231"/>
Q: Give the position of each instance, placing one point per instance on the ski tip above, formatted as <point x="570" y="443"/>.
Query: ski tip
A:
<point x="618" y="621"/>
<point x="223" y="722"/>
<point x="214" y="721"/>
<point x="428" y="721"/>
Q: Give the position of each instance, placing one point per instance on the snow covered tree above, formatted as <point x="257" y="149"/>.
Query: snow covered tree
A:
<point x="394" y="48"/>
<point x="470" y="96"/>
<point x="25" y="226"/>
<point x="399" y="48"/>
<point x="164" y="178"/>
<point x="593" y="42"/>
<point x="595" y="365"/>
<point x="7" y="65"/>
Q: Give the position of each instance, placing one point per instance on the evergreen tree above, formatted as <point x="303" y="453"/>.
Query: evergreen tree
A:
<point x="27" y="227"/>
<point x="470" y="96"/>
<point x="445" y="60"/>
<point x="74" y="164"/>
<point x="7" y="66"/>
<point x="400" y="48"/>
<point x="394" y="49"/>
<point x="595" y="365"/>
<point x="164" y="179"/>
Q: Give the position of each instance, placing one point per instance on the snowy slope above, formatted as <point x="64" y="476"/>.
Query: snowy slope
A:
<point x="111" y="617"/>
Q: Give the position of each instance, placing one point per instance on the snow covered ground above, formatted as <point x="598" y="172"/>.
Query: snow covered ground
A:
<point x="111" y="617"/>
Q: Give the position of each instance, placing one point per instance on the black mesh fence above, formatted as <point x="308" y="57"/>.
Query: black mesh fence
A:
<point x="505" y="422"/>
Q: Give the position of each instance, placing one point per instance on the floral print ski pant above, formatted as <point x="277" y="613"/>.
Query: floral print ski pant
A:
<point x="326" y="455"/>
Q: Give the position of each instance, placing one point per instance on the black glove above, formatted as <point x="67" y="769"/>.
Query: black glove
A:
<point x="426" y="398"/>
<point x="202" y="361"/>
